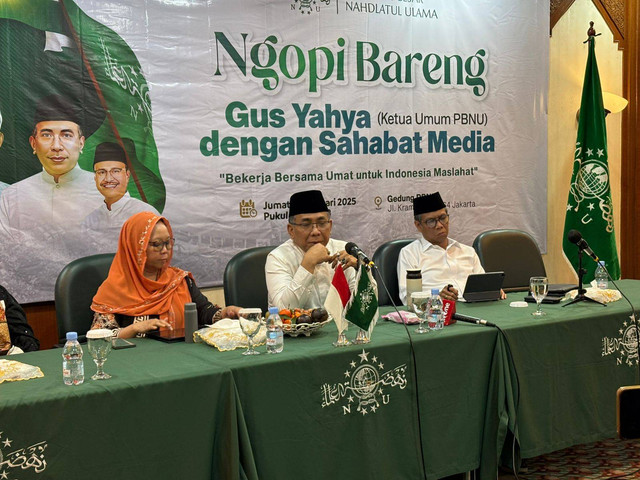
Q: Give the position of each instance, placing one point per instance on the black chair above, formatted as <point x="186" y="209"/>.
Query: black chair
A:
<point x="513" y="252"/>
<point x="75" y="288"/>
<point x="244" y="280"/>
<point x="386" y="260"/>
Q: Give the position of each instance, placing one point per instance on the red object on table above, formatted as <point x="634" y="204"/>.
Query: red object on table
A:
<point x="448" y="309"/>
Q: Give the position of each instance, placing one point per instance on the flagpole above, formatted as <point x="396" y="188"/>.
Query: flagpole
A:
<point x="589" y="205"/>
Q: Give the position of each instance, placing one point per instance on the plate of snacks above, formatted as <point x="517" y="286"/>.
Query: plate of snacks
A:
<point x="299" y="321"/>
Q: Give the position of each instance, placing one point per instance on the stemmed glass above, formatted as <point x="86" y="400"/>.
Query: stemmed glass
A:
<point x="250" y="322"/>
<point x="539" y="287"/>
<point x="420" y="305"/>
<point x="99" y="343"/>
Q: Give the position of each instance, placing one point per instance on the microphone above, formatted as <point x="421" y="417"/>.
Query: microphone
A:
<point x="469" y="319"/>
<point x="354" y="250"/>
<point x="575" y="236"/>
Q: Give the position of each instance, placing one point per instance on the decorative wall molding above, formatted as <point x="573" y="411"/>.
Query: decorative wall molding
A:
<point x="611" y="10"/>
<point x="630" y="168"/>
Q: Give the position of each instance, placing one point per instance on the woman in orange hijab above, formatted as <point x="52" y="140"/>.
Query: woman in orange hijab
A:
<point x="143" y="292"/>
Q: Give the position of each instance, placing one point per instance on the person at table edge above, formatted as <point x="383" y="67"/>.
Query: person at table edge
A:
<point x="299" y="272"/>
<point x="20" y="332"/>
<point x="142" y="291"/>
<point x="445" y="263"/>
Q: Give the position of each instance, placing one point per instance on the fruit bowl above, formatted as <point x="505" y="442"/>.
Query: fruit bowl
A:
<point x="300" y="321"/>
<point x="306" y="329"/>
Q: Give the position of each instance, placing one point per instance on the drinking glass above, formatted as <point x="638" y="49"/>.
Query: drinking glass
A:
<point x="99" y="344"/>
<point x="250" y="322"/>
<point x="539" y="287"/>
<point x="420" y="305"/>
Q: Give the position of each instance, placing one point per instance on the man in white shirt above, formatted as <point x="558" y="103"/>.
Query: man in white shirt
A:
<point x="445" y="263"/>
<point x="62" y="194"/>
<point x="40" y="216"/>
<point x="299" y="272"/>
<point x="111" y="175"/>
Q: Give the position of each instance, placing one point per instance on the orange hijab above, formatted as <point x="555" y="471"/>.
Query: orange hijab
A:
<point x="128" y="292"/>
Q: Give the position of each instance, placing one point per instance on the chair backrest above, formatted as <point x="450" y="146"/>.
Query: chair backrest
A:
<point x="386" y="260"/>
<point x="244" y="280"/>
<point x="75" y="287"/>
<point x="513" y="252"/>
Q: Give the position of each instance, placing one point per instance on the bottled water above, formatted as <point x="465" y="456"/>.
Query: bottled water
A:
<point x="436" y="320"/>
<point x="72" y="365"/>
<point x="602" y="279"/>
<point x="275" y="337"/>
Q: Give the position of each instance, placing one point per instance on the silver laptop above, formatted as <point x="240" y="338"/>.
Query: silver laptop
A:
<point x="483" y="287"/>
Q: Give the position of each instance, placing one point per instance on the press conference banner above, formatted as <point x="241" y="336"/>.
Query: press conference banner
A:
<point x="213" y="113"/>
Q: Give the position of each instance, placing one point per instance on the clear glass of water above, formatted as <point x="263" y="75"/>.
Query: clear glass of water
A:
<point x="99" y="344"/>
<point x="250" y="321"/>
<point x="539" y="287"/>
<point x="420" y="305"/>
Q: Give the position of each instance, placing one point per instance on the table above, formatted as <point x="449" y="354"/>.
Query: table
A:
<point x="223" y="415"/>
<point x="165" y="414"/>
<point x="569" y="365"/>
<point x="181" y="410"/>
<point x="302" y="424"/>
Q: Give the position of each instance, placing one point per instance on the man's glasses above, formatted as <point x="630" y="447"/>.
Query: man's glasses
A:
<point x="102" y="173"/>
<point x="308" y="226"/>
<point x="432" y="222"/>
<point x="158" y="246"/>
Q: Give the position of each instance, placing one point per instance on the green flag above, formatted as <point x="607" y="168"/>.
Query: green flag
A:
<point x="589" y="208"/>
<point x="364" y="305"/>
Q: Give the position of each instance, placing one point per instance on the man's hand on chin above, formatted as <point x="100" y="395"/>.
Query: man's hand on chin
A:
<point x="317" y="254"/>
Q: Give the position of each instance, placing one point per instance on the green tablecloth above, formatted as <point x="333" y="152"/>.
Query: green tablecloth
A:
<point x="301" y="425"/>
<point x="569" y="364"/>
<point x="171" y="408"/>
<point x="189" y="411"/>
<point x="165" y="414"/>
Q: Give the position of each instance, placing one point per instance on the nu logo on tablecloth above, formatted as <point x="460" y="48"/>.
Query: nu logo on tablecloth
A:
<point x="366" y="386"/>
<point x="23" y="458"/>
<point x="626" y="345"/>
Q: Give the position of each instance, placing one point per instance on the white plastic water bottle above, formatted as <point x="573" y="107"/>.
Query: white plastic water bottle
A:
<point x="72" y="365"/>
<point x="275" y="337"/>
<point x="436" y="320"/>
<point x="602" y="279"/>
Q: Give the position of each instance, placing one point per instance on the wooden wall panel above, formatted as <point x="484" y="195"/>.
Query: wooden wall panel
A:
<point x="630" y="228"/>
<point x="42" y="318"/>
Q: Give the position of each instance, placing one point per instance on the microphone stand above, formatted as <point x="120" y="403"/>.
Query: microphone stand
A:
<point x="581" y="297"/>
<point x="374" y="267"/>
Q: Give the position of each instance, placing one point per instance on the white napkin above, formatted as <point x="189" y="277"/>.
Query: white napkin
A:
<point x="226" y="334"/>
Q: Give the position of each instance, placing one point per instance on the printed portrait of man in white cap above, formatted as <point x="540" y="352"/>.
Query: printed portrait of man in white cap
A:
<point x="111" y="175"/>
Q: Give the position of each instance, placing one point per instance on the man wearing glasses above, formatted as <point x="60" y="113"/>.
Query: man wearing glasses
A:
<point x="111" y="175"/>
<point x="299" y="272"/>
<point x="444" y="262"/>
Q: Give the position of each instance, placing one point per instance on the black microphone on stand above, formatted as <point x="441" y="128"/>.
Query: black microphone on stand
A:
<point x="470" y="319"/>
<point x="355" y="251"/>
<point x="575" y="236"/>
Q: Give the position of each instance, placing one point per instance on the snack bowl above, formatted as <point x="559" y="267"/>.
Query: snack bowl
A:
<point x="306" y="329"/>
